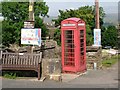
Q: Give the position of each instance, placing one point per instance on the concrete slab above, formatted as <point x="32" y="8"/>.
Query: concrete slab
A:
<point x="66" y="77"/>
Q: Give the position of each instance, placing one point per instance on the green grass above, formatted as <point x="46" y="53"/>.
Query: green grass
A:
<point x="108" y="62"/>
<point x="10" y="75"/>
<point x="17" y="74"/>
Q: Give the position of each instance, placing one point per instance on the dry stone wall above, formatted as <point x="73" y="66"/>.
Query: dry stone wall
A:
<point x="93" y="55"/>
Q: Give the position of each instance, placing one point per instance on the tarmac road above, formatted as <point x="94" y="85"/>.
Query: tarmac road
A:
<point x="107" y="78"/>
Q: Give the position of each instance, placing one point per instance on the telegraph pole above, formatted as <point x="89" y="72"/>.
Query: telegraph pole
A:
<point x="31" y="18"/>
<point x="97" y="22"/>
<point x="31" y="10"/>
<point x="97" y="30"/>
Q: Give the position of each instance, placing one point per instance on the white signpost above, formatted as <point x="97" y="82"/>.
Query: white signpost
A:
<point x="97" y="37"/>
<point x="31" y="36"/>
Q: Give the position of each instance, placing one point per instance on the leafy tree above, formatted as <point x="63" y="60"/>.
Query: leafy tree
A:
<point x="15" y="13"/>
<point x="87" y="13"/>
<point x="109" y="36"/>
<point x="57" y="36"/>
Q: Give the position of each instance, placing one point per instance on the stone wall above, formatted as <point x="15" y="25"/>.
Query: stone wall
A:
<point x="51" y="68"/>
<point x="51" y="49"/>
<point x="93" y="55"/>
<point x="51" y="62"/>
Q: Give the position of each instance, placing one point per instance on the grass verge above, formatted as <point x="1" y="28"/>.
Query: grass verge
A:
<point x="108" y="62"/>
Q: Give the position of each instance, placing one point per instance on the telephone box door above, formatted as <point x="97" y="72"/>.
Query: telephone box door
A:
<point x="69" y="49"/>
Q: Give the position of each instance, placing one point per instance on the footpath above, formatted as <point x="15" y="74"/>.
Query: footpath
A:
<point x="104" y="78"/>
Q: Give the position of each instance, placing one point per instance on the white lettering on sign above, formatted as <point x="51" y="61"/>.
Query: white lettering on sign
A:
<point x="68" y="24"/>
<point x="81" y="24"/>
<point x="29" y="24"/>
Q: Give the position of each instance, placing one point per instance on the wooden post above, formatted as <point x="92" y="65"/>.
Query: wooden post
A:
<point x="31" y="10"/>
<point x="31" y="18"/>
<point x="39" y="71"/>
<point x="97" y="14"/>
<point x="0" y="54"/>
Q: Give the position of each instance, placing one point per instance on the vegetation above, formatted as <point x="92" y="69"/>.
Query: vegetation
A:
<point x="18" y="74"/>
<point x="57" y="36"/>
<point x="109" y="36"/>
<point x="15" y="13"/>
<point x="110" y="61"/>
<point x="87" y="13"/>
<point x="10" y="75"/>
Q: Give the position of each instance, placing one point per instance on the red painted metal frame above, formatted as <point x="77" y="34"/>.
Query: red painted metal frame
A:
<point x="76" y="25"/>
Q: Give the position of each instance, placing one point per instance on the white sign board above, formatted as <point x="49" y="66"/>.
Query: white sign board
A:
<point x="29" y="24"/>
<point x="97" y="37"/>
<point x="31" y="36"/>
<point x="68" y="25"/>
<point x="81" y="24"/>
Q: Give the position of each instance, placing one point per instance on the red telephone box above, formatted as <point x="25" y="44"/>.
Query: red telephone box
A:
<point x="73" y="37"/>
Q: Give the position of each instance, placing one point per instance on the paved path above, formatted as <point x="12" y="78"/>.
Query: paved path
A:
<point x="107" y="78"/>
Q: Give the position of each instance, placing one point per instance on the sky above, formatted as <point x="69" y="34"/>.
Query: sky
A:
<point x="110" y="6"/>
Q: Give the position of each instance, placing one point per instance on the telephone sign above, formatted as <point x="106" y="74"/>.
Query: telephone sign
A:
<point x="29" y="24"/>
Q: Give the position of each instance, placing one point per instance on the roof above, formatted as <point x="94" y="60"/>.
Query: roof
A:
<point x="73" y="19"/>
